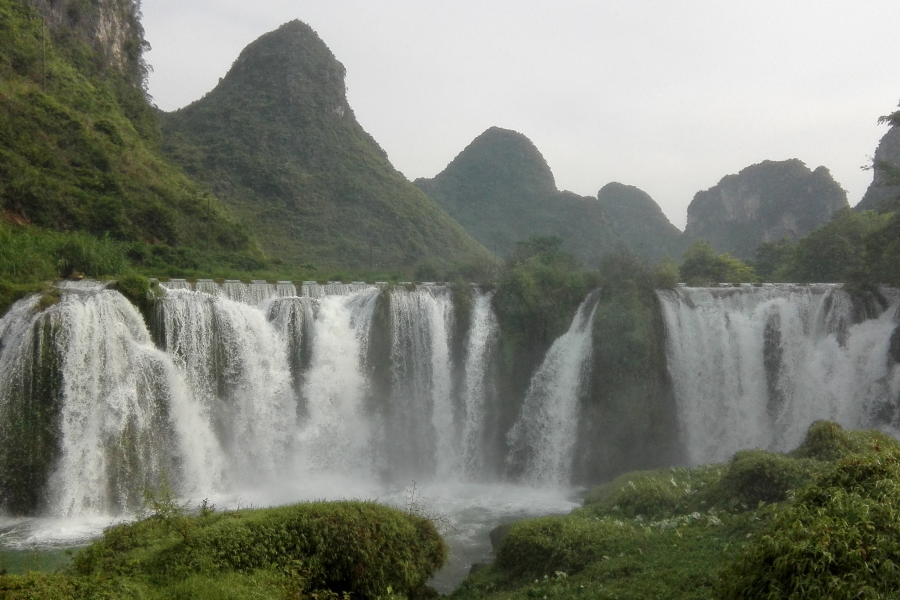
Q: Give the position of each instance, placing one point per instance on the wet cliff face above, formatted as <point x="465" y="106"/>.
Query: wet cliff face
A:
<point x="111" y="28"/>
<point x="762" y="203"/>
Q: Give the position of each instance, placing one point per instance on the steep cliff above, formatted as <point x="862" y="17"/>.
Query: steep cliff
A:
<point x="502" y="191"/>
<point x="885" y="186"/>
<point x="763" y="203"/>
<point x="278" y="142"/>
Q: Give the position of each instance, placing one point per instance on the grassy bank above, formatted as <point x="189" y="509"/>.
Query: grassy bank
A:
<point x="819" y="522"/>
<point x="319" y="550"/>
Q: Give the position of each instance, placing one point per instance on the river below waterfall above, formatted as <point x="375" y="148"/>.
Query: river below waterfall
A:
<point x="472" y="511"/>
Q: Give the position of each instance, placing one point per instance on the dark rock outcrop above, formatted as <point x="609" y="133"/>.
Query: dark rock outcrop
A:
<point x="885" y="186"/>
<point x="763" y="203"/>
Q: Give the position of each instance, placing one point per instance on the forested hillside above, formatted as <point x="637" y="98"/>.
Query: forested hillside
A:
<point x="79" y="140"/>
<point x="277" y="141"/>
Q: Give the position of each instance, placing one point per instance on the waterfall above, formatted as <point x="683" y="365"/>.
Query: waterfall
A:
<point x="544" y="434"/>
<point x="335" y="434"/>
<point x="237" y="366"/>
<point x="120" y="413"/>
<point x="753" y="367"/>
<point x="481" y="338"/>
<point x="421" y="431"/>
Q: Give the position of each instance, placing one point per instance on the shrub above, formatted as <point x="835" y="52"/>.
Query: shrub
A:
<point x="543" y="546"/>
<point x="361" y="548"/>
<point x="755" y="476"/>
<point x="655" y="493"/>
<point x="826" y="440"/>
<point x="840" y="538"/>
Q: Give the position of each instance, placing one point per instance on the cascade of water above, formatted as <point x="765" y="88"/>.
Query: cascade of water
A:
<point x="174" y="284"/>
<point x="238" y="367"/>
<point x="207" y="286"/>
<point x="753" y="367"/>
<point x="285" y="289"/>
<point x="123" y="414"/>
<point x="544" y="434"/>
<point x="482" y="336"/>
<point x="422" y="436"/>
<point x="334" y="435"/>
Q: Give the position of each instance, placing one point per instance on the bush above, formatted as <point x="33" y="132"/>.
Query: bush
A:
<point x="361" y="548"/>
<point x="829" y="441"/>
<point x="839" y="539"/>
<point x="755" y="476"/>
<point x="655" y="493"/>
<point x="546" y="545"/>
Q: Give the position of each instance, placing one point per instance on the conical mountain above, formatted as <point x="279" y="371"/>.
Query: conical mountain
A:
<point x="502" y="191"/>
<point x="277" y="141"/>
<point x="639" y="221"/>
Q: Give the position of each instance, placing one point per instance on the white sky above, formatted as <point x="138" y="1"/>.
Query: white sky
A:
<point x="668" y="96"/>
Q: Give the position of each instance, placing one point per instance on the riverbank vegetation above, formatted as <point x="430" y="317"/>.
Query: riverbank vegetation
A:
<point x="319" y="550"/>
<point x="813" y="523"/>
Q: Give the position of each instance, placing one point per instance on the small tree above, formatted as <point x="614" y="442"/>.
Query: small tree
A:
<point x="703" y="266"/>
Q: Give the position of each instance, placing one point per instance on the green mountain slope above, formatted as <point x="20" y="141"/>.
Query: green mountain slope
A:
<point x="763" y="203"/>
<point x="639" y="222"/>
<point x="502" y="191"/>
<point x="78" y="139"/>
<point x="277" y="141"/>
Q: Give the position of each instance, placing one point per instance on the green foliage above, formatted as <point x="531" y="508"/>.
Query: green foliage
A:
<point x="826" y="440"/>
<point x="759" y="476"/>
<point x="763" y="525"/>
<point x="702" y="266"/>
<point x="78" y="152"/>
<point x="840" y="538"/>
<point x="857" y="248"/>
<point x="360" y="548"/>
<point x="538" y="547"/>
<point x="654" y="494"/>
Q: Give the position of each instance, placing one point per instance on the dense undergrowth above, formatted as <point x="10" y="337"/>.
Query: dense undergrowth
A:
<point x="820" y="522"/>
<point x="320" y="550"/>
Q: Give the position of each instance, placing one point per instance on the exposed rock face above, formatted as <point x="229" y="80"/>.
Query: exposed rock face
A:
<point x="638" y="221"/>
<point x="112" y="28"/>
<point x="763" y="203"/>
<point x="502" y="191"/>
<point x="278" y="142"/>
<point x="884" y="187"/>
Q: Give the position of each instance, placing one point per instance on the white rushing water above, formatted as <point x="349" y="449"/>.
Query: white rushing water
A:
<point x="476" y="391"/>
<point x="754" y="367"/>
<point x="546" y="430"/>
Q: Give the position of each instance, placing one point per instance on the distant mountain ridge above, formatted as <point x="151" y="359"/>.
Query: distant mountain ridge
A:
<point x="502" y="191"/>
<point x="278" y="142"/>
<point x="764" y="202"/>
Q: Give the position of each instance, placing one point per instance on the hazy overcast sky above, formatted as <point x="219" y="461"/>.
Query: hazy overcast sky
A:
<point x="666" y="95"/>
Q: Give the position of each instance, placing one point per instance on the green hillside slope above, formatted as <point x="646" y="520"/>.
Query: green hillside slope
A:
<point x="502" y="191"/>
<point x="639" y="222"/>
<point x="277" y="141"/>
<point x="78" y="139"/>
